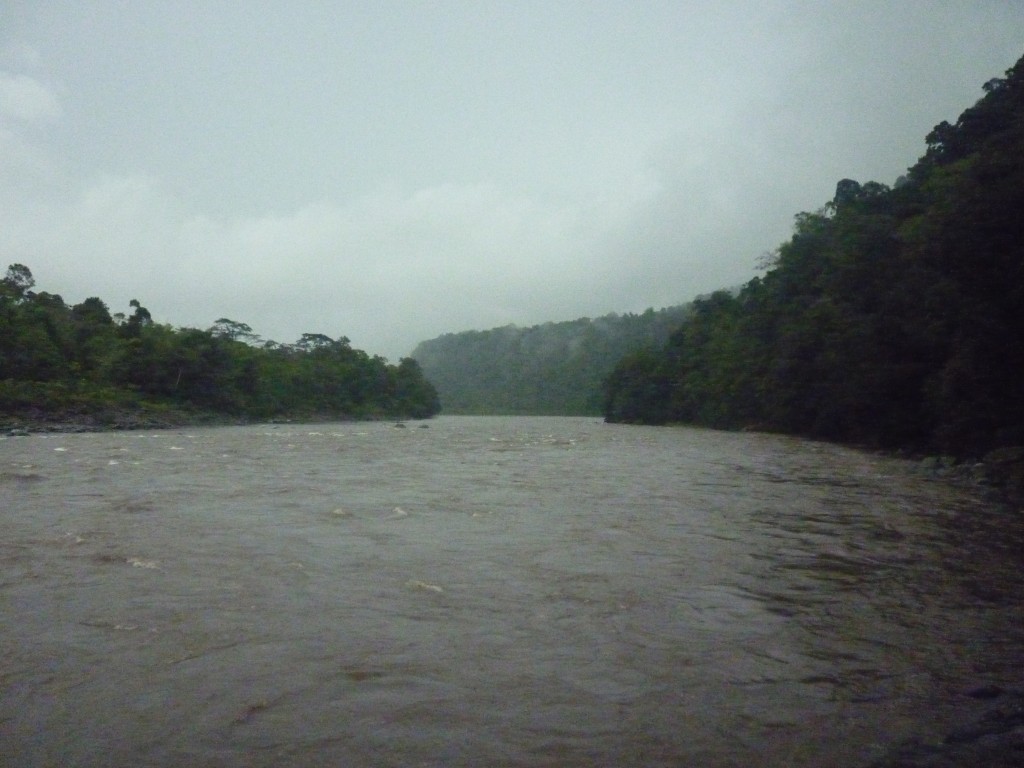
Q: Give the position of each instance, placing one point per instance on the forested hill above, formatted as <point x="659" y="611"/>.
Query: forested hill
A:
<point x="555" y="368"/>
<point x="892" y="317"/>
<point x="67" y="365"/>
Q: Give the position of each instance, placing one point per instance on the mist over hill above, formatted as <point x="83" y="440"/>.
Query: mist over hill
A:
<point x="556" y="368"/>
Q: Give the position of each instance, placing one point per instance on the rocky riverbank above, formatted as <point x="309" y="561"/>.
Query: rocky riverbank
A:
<point x="115" y="419"/>
<point x="1001" y="470"/>
<point x="109" y="419"/>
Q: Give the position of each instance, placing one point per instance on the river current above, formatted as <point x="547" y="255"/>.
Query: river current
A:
<point x="489" y="592"/>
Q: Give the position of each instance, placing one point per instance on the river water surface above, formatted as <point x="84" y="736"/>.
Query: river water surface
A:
<point x="488" y="591"/>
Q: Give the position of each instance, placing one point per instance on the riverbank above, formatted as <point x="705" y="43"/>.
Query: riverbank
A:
<point x="135" y="420"/>
<point x="1001" y="471"/>
<point x="109" y="420"/>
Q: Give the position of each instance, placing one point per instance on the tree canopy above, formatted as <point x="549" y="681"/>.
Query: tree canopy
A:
<point x="892" y="317"/>
<point x="59" y="362"/>
<point x="549" y="369"/>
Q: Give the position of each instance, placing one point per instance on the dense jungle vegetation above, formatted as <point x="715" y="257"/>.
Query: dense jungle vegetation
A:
<point x="893" y="317"/>
<point x="80" y="364"/>
<point x="549" y="369"/>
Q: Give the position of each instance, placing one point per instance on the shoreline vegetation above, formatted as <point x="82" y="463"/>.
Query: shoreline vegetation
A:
<point x="81" y="367"/>
<point x="891" y="319"/>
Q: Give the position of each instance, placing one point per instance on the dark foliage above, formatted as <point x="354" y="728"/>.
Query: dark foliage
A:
<point x="58" y="361"/>
<point x="892" y="317"/>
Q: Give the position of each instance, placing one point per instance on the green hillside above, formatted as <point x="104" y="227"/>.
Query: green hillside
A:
<point x="549" y="369"/>
<point x="893" y="316"/>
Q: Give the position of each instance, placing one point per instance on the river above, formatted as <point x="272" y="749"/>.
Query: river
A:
<point x="489" y="592"/>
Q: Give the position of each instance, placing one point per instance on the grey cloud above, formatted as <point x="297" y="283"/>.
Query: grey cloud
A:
<point x="393" y="174"/>
<point x="25" y="98"/>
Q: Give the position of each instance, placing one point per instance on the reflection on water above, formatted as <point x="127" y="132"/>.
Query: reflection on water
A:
<point x="488" y="591"/>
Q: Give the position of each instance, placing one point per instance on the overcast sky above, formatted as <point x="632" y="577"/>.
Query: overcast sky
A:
<point x="392" y="171"/>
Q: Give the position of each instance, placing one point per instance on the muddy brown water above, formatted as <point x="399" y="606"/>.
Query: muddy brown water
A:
<point x="489" y="592"/>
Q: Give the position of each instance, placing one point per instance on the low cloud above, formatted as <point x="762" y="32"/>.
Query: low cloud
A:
<point x="300" y="176"/>
<point x="24" y="98"/>
<point x="387" y="270"/>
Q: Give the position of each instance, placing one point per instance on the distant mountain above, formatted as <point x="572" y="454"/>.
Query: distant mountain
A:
<point x="550" y="369"/>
